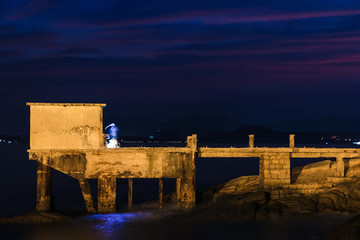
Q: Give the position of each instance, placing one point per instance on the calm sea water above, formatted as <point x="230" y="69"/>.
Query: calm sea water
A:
<point x="18" y="192"/>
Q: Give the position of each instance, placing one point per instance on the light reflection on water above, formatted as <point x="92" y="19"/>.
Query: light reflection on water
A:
<point x="111" y="223"/>
<point x="175" y="226"/>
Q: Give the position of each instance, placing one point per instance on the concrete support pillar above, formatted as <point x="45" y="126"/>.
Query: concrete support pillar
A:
<point x="292" y="141"/>
<point x="43" y="188"/>
<point x="178" y="193"/>
<point x="274" y="170"/>
<point x="107" y="194"/>
<point x="86" y="192"/>
<point x="340" y="167"/>
<point x="251" y="141"/>
<point x="187" y="192"/>
<point x="187" y="183"/>
<point x="130" y="194"/>
<point x="161" y="192"/>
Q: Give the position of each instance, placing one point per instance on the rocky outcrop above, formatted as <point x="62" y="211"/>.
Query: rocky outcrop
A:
<point x="353" y="168"/>
<point x="313" y="173"/>
<point x="239" y="185"/>
<point x="313" y="189"/>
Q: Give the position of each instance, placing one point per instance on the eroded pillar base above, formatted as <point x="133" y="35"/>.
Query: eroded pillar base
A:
<point x="85" y="189"/>
<point x="178" y="193"/>
<point x="187" y="193"/>
<point x="186" y="190"/>
<point x="130" y="193"/>
<point x="107" y="194"/>
<point x="161" y="192"/>
<point x="43" y="188"/>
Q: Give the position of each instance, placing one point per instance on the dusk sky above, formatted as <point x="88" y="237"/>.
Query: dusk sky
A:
<point x="251" y="60"/>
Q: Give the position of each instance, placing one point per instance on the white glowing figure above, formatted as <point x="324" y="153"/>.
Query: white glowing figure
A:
<point x="113" y="143"/>
<point x="357" y="143"/>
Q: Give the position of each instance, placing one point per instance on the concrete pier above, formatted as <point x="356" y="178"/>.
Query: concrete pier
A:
<point x="76" y="147"/>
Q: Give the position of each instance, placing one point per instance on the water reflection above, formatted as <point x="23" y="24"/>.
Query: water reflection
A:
<point x="91" y="227"/>
<point x="111" y="224"/>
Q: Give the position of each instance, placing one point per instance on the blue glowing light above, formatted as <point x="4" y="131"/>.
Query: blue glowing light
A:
<point x="113" y="129"/>
<point x="111" y="223"/>
<point x="111" y="141"/>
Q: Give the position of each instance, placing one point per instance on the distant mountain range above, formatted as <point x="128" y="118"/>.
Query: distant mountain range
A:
<point x="183" y="126"/>
<point x="220" y="128"/>
<point x="202" y="124"/>
<point x="326" y="125"/>
<point x="266" y="135"/>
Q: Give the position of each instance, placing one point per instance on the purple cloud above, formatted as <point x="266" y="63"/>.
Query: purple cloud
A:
<point x="228" y="16"/>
